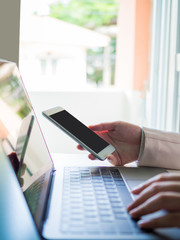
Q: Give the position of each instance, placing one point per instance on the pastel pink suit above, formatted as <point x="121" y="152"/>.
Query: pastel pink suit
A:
<point x="160" y="149"/>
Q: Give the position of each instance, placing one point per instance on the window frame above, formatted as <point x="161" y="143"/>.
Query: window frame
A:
<point x="164" y="83"/>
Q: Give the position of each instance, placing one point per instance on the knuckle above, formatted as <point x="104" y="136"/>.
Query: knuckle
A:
<point x="162" y="197"/>
<point x="176" y="218"/>
<point x="162" y="176"/>
<point x="154" y="222"/>
<point x="155" y="187"/>
<point x="117" y="125"/>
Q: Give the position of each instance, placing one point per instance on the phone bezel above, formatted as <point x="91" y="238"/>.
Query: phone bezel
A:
<point x="102" y="155"/>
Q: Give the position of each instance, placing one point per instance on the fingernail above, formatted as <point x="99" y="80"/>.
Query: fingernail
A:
<point x="136" y="188"/>
<point x="142" y="223"/>
<point x="132" y="213"/>
<point x="129" y="207"/>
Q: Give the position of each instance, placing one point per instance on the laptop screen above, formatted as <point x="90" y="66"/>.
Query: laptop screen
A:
<point x="15" y="108"/>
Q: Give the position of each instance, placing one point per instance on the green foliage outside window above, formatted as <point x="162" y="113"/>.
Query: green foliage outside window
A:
<point x="13" y="93"/>
<point x="91" y="14"/>
<point x="86" y="13"/>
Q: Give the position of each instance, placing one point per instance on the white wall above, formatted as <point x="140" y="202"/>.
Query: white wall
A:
<point x="9" y="29"/>
<point x="125" y="44"/>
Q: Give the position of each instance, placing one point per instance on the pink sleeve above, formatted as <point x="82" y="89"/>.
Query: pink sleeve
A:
<point x="161" y="149"/>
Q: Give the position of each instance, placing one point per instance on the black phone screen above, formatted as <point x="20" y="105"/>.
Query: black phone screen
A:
<point x="79" y="130"/>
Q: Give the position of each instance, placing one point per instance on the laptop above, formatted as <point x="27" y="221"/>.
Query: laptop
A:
<point x="72" y="202"/>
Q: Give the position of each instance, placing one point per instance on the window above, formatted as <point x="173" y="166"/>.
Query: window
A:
<point x="72" y="34"/>
<point x="99" y="41"/>
<point x="93" y="55"/>
<point x="164" y="78"/>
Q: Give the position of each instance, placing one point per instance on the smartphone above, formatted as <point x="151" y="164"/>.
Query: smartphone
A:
<point x="79" y="132"/>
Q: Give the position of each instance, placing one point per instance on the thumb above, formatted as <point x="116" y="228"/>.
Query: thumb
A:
<point x="114" y="159"/>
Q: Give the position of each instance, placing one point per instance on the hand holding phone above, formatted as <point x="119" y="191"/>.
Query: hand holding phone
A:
<point x="79" y="132"/>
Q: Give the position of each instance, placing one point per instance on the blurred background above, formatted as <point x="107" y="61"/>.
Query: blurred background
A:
<point x="104" y="60"/>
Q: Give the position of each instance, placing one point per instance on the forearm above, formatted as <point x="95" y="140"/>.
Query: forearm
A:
<point x="160" y="149"/>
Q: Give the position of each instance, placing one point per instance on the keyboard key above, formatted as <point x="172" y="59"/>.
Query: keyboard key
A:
<point x="102" y="201"/>
<point x="90" y="203"/>
<point x="75" y="204"/>
<point x="114" y="170"/>
<point x="119" y="183"/>
<point x="110" y="187"/>
<point x="103" y="212"/>
<point x="102" y="197"/>
<point x="65" y="228"/>
<point x="117" y="201"/>
<point x="99" y="188"/>
<point x="119" y="209"/>
<point x="107" y="176"/>
<point x="104" y="207"/>
<point x="120" y="216"/>
<point x="112" y="195"/>
<point x="105" y="172"/>
<point x="107" y="218"/>
<point x="94" y="177"/>
<point x="76" y="218"/>
<point x="91" y="221"/>
<point x="76" y="211"/>
<point x="89" y="208"/>
<point x="95" y="171"/>
<point x="92" y="213"/>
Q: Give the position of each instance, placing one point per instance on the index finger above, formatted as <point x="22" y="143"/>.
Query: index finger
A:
<point x="79" y="147"/>
<point x="153" y="189"/>
<point x="103" y="127"/>
<point x="157" y="178"/>
<point x="167" y="201"/>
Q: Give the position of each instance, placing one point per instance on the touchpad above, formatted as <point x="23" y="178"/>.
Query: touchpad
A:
<point x="137" y="175"/>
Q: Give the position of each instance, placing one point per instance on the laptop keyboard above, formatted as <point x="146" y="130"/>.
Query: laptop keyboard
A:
<point x="95" y="201"/>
